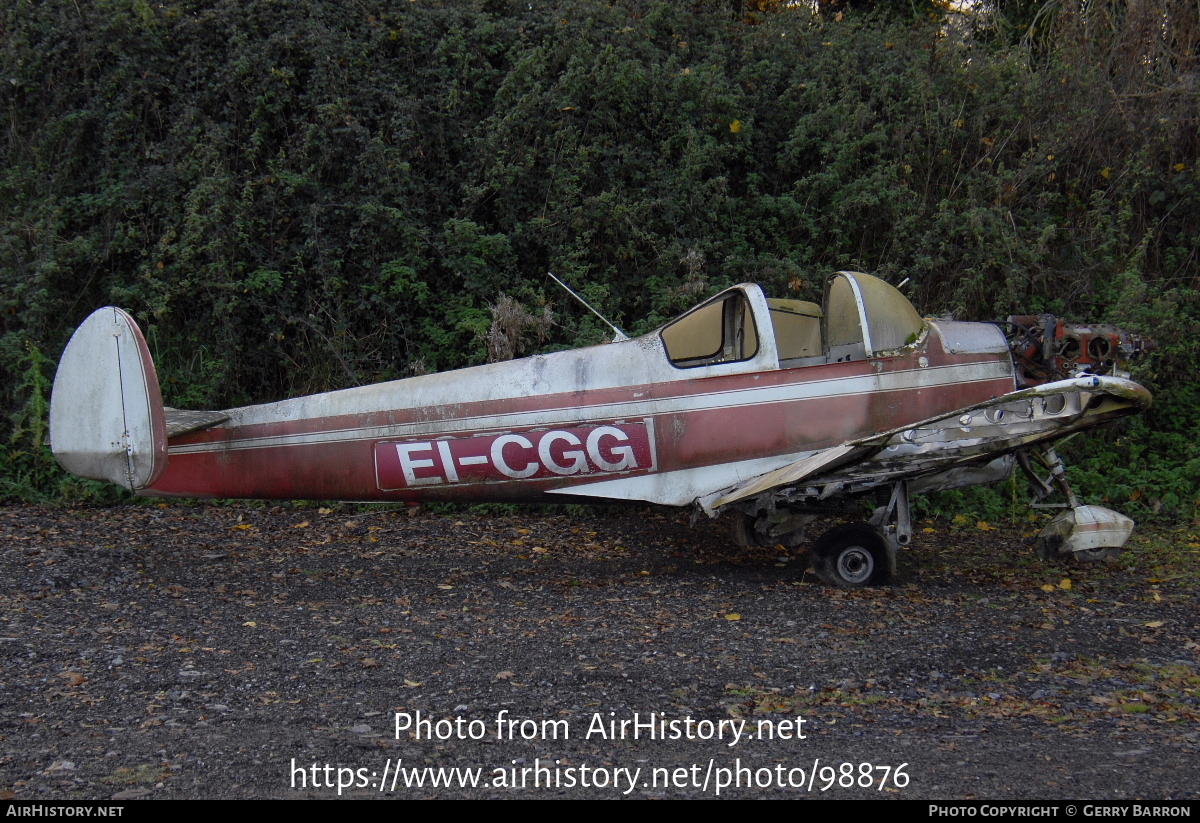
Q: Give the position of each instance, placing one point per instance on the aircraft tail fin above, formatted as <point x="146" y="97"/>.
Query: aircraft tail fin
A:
<point x="106" y="413"/>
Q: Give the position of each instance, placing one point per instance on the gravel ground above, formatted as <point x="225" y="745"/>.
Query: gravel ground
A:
<point x="199" y="651"/>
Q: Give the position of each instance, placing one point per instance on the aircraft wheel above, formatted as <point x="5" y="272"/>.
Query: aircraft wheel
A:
<point x="741" y="529"/>
<point x="853" y="556"/>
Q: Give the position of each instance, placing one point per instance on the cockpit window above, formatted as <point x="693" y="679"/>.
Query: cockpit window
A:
<point x="843" y="319"/>
<point x="722" y="331"/>
<point x="797" y="325"/>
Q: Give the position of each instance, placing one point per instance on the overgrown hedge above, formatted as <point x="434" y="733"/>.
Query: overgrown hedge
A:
<point x="297" y="196"/>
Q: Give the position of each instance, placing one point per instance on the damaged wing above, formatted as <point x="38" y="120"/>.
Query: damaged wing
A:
<point x="940" y="450"/>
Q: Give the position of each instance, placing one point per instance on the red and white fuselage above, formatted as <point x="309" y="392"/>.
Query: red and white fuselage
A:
<point x="616" y="421"/>
<point x="726" y="397"/>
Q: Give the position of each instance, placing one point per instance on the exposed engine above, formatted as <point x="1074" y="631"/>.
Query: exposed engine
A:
<point x="1046" y="348"/>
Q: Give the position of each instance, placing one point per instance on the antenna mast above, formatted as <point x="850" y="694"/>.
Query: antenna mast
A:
<point x="620" y="335"/>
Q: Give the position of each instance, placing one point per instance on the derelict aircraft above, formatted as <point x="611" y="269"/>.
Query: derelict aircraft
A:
<point x="771" y="411"/>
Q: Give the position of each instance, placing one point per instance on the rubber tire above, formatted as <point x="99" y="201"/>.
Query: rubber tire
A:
<point x="743" y="533"/>
<point x="854" y="555"/>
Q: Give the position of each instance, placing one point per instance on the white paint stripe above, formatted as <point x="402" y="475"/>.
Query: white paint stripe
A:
<point x="929" y="378"/>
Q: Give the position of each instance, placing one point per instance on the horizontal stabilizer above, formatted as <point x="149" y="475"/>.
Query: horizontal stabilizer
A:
<point x="182" y="421"/>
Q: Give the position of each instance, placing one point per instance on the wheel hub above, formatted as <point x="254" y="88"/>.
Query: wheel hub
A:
<point x="856" y="564"/>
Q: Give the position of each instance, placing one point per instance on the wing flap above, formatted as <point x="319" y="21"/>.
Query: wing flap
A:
<point x="789" y="475"/>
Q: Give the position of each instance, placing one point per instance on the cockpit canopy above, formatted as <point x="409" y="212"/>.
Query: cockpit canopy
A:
<point x="862" y="317"/>
<point x="865" y="313"/>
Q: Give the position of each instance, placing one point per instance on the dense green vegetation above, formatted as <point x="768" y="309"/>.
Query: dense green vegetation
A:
<point x="297" y="196"/>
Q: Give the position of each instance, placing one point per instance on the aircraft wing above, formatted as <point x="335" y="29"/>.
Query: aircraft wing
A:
<point x="943" y="451"/>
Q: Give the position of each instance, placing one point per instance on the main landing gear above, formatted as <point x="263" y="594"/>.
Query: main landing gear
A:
<point x="854" y="555"/>
<point x="849" y="556"/>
